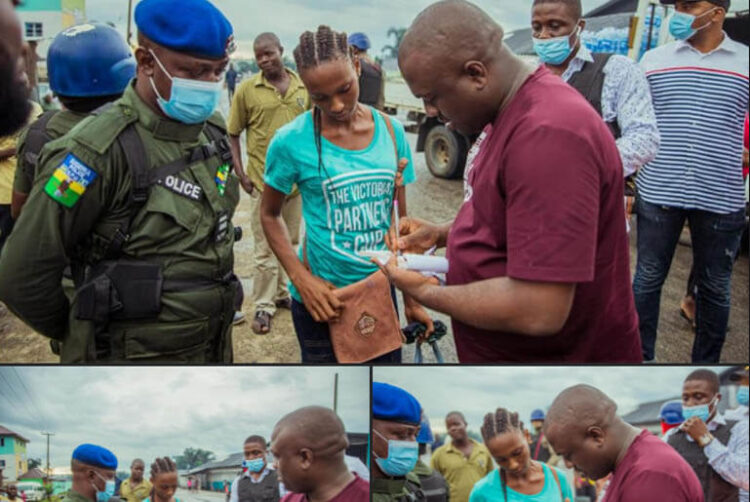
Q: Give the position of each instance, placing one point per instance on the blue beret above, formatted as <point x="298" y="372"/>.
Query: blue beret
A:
<point x="194" y="27"/>
<point x="394" y="404"/>
<point x="97" y="456"/>
<point x="360" y="41"/>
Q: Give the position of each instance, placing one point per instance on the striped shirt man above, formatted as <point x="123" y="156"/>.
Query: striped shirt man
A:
<point x="700" y="102"/>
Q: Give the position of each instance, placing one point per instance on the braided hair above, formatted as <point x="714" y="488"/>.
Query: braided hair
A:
<point x="500" y="422"/>
<point x="162" y="465"/>
<point x="314" y="49"/>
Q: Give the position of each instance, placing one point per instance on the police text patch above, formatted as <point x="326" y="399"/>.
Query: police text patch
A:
<point x="182" y="187"/>
<point x="69" y="181"/>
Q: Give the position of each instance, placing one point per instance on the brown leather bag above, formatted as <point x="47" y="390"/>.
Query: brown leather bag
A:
<point x="368" y="326"/>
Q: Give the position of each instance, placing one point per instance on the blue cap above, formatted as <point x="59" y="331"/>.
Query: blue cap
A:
<point x="671" y="413"/>
<point x="360" y="41"/>
<point x="394" y="404"/>
<point x="194" y="27"/>
<point x="97" y="456"/>
<point x="89" y="60"/>
<point x="537" y="415"/>
<point x="425" y="431"/>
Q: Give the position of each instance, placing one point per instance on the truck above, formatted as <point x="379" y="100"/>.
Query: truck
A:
<point x="445" y="150"/>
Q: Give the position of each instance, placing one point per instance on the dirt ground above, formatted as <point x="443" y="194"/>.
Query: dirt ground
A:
<point x="435" y="200"/>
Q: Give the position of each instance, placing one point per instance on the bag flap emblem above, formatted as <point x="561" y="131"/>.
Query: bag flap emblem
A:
<point x="365" y="326"/>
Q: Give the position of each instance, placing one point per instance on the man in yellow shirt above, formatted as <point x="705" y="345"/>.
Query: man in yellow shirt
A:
<point x="463" y="461"/>
<point x="135" y="488"/>
<point x="260" y="106"/>
<point x="8" y="162"/>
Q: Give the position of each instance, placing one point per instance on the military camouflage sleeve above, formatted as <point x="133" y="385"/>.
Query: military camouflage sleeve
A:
<point x="21" y="180"/>
<point x="66" y="200"/>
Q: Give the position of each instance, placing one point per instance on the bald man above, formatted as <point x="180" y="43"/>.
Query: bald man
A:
<point x="539" y="259"/>
<point x="583" y="427"/>
<point x="13" y="92"/>
<point x="309" y="446"/>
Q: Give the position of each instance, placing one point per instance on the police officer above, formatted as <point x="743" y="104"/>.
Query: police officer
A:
<point x="371" y="76"/>
<point x="138" y="198"/>
<point x="396" y="417"/>
<point x="93" y="469"/>
<point x="670" y="415"/>
<point x="540" y="448"/>
<point x="88" y="65"/>
<point x="434" y="486"/>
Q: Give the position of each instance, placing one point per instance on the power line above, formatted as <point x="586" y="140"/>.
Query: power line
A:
<point x="17" y="397"/>
<point x="32" y="397"/>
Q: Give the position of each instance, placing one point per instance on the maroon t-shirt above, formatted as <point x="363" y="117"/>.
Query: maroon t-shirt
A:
<point x="653" y="470"/>
<point x="543" y="202"/>
<point x="356" y="491"/>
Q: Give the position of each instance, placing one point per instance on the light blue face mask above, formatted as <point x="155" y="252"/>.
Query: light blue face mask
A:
<point x="191" y="101"/>
<point x="556" y="50"/>
<point x="681" y="24"/>
<point x="702" y="411"/>
<point x="254" y="465"/>
<point x="109" y="489"/>
<point x="742" y="396"/>
<point x="402" y="457"/>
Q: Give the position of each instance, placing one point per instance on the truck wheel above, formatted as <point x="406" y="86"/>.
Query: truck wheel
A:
<point x="445" y="152"/>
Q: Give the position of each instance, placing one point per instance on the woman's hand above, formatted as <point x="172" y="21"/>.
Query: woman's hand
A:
<point x="319" y="298"/>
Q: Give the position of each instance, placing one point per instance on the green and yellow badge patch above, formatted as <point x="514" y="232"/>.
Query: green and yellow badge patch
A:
<point x="69" y="181"/>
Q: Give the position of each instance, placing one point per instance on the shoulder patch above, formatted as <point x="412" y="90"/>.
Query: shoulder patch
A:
<point x="69" y="181"/>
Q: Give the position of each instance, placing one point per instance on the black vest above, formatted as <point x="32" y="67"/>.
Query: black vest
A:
<point x="370" y="83"/>
<point x="715" y="488"/>
<point x="589" y="81"/>
<point x="265" y="491"/>
<point x="434" y="487"/>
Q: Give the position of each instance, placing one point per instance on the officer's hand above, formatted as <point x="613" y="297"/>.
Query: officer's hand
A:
<point x="695" y="428"/>
<point x="415" y="236"/>
<point x="319" y="299"/>
<point x="247" y="185"/>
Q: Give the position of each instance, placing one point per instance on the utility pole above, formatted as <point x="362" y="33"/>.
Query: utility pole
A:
<point x="48" y="434"/>
<point x="130" y="16"/>
<point x="335" y="392"/>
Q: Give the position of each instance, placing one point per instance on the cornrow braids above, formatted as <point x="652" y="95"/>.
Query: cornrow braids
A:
<point x="162" y="465"/>
<point x="500" y="422"/>
<point x="314" y="49"/>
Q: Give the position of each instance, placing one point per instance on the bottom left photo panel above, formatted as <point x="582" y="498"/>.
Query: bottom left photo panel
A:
<point x="184" y="434"/>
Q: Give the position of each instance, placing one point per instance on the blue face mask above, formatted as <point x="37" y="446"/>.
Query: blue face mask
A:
<point x="191" y="101"/>
<point x="742" y="396"/>
<point x="681" y="24"/>
<point x="254" y="465"/>
<point x="402" y="457"/>
<point x="556" y="50"/>
<point x="702" y="411"/>
<point x="109" y="489"/>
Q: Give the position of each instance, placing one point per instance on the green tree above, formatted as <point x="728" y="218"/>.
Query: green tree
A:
<point x="193" y="457"/>
<point x="391" y="51"/>
<point x="34" y="462"/>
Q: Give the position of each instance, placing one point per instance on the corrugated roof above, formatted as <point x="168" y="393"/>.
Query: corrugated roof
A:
<point x="7" y="432"/>
<point x="233" y="460"/>
<point x="614" y="7"/>
<point x="35" y="473"/>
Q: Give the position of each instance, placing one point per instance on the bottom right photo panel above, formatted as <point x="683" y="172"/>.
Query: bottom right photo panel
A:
<point x="560" y="434"/>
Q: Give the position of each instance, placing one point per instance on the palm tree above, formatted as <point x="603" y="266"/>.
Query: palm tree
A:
<point x="391" y="51"/>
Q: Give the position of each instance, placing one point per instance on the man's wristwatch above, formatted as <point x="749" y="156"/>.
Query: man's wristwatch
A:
<point x="705" y="439"/>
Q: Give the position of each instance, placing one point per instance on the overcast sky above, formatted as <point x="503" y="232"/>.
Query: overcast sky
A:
<point x="289" y="18"/>
<point x="150" y="412"/>
<point x="479" y="390"/>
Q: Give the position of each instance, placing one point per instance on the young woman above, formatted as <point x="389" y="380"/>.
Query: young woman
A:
<point x="519" y="478"/>
<point x="341" y="156"/>
<point x="163" y="481"/>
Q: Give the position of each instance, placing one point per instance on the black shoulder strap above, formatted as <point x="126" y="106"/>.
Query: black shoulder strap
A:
<point x="36" y="137"/>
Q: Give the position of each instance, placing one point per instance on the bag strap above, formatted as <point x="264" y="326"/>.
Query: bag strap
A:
<point x="538" y="445"/>
<point x="557" y="480"/>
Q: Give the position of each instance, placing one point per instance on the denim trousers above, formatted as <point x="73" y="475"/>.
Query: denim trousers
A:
<point x="715" y="241"/>
<point x="315" y="339"/>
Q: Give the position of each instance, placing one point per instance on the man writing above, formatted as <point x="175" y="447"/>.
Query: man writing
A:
<point x="539" y="259"/>
<point x="257" y="483"/>
<point x="716" y="448"/>
<point x="583" y="427"/>
<point x="260" y="106"/>
<point x="463" y="461"/>
<point x="135" y="488"/>
<point x="309" y="446"/>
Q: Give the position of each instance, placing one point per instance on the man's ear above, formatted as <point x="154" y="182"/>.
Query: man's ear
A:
<point x="477" y="72"/>
<point x="596" y="434"/>
<point x="306" y="458"/>
<point x="145" y="61"/>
